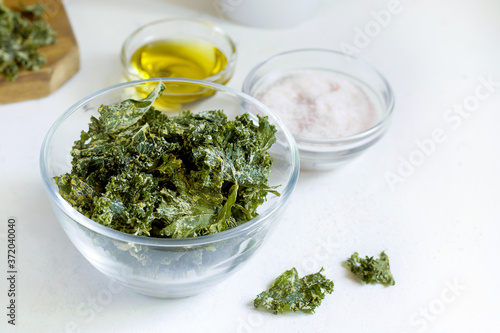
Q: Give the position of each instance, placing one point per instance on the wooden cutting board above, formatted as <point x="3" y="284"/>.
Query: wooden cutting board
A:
<point x="63" y="58"/>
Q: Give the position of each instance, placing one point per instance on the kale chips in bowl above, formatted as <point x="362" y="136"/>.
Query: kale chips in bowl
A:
<point x="168" y="200"/>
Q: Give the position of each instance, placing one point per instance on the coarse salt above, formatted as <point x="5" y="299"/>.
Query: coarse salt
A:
<point x="319" y="104"/>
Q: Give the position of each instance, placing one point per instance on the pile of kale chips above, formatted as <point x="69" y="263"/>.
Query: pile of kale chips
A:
<point x="140" y="171"/>
<point x="21" y="35"/>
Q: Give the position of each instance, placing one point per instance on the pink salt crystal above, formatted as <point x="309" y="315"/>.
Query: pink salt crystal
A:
<point x="320" y="105"/>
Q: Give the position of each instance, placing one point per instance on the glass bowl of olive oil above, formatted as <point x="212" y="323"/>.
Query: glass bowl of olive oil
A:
<point x="179" y="48"/>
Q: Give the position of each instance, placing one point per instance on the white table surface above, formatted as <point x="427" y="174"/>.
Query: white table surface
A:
<point x="439" y="222"/>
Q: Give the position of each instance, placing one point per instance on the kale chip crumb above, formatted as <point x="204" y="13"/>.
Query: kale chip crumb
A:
<point x="291" y="293"/>
<point x="371" y="270"/>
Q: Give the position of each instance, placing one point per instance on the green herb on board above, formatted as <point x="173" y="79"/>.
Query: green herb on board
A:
<point x="289" y="292"/>
<point x="140" y="171"/>
<point x="21" y="35"/>
<point x="371" y="270"/>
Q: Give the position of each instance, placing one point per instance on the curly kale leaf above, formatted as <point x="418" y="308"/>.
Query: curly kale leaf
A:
<point x="371" y="270"/>
<point x="20" y="39"/>
<point x="35" y="10"/>
<point x="289" y="292"/>
<point x="77" y="192"/>
<point x="128" y="203"/>
<point x="149" y="174"/>
<point x="117" y="118"/>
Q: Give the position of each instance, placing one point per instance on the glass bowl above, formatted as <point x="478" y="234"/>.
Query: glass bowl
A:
<point x="194" y="50"/>
<point x="163" y="267"/>
<point x="326" y="153"/>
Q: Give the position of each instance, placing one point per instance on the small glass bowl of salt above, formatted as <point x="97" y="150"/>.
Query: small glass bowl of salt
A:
<point x="335" y="105"/>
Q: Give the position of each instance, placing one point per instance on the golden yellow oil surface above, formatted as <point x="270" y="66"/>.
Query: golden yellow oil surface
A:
<point x="193" y="59"/>
<point x="178" y="58"/>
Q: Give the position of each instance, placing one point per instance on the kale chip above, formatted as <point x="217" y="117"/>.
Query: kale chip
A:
<point x="288" y="292"/>
<point x="21" y="35"/>
<point x="371" y="270"/>
<point x="140" y="171"/>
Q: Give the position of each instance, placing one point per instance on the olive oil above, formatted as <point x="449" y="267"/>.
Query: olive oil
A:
<point x="193" y="59"/>
<point x="180" y="58"/>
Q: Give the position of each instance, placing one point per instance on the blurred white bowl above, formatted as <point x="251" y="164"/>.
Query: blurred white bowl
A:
<point x="268" y="14"/>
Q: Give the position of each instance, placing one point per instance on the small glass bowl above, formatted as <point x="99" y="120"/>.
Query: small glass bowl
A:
<point x="182" y="29"/>
<point x="326" y="154"/>
<point x="164" y="267"/>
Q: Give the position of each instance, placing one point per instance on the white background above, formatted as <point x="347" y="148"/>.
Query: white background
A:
<point x="439" y="223"/>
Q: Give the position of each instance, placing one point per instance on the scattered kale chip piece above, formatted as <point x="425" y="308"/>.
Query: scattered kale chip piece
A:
<point x="140" y="171"/>
<point x="289" y="292"/>
<point x="371" y="270"/>
<point x="21" y="35"/>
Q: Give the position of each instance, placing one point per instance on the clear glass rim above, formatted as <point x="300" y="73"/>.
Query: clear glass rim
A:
<point x="231" y="58"/>
<point x="389" y="100"/>
<point x="168" y="242"/>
